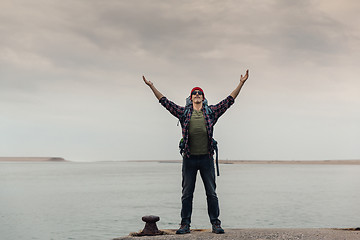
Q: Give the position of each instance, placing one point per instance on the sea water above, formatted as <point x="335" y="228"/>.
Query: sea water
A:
<point x="104" y="200"/>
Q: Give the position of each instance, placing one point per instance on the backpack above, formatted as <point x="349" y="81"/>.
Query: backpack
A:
<point x="210" y="113"/>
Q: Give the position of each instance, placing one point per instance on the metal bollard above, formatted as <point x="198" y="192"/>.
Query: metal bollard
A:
<point x="150" y="228"/>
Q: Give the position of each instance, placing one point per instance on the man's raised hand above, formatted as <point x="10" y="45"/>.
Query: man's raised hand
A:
<point x="235" y="93"/>
<point x="245" y="77"/>
<point x="158" y="95"/>
<point x="149" y="83"/>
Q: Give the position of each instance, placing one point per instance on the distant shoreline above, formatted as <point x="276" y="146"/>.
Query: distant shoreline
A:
<point x="32" y="159"/>
<point x="329" y="162"/>
<point x="313" y="162"/>
<point x="306" y="162"/>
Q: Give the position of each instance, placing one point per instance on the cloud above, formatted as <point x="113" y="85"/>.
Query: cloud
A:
<point x="77" y="66"/>
<point x="91" y="34"/>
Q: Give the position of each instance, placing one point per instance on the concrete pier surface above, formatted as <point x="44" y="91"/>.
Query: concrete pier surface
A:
<point x="259" y="234"/>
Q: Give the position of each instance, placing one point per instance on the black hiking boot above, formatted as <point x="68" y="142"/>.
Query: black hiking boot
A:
<point x="216" y="228"/>
<point x="184" y="228"/>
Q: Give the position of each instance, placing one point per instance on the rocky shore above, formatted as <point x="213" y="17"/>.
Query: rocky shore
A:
<point x="259" y="234"/>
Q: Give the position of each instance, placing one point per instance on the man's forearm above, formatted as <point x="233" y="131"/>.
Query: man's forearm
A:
<point x="236" y="92"/>
<point x="157" y="94"/>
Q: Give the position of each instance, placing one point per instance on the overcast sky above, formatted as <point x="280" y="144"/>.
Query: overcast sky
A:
<point x="70" y="77"/>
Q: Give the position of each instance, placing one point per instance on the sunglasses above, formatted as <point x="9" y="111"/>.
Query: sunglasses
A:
<point x="197" y="92"/>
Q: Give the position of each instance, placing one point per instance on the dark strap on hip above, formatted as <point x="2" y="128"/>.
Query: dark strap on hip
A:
<point x="217" y="162"/>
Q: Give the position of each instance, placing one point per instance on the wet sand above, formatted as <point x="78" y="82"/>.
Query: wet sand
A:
<point x="260" y="234"/>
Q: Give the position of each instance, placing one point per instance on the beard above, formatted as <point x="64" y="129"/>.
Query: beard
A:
<point x="197" y="100"/>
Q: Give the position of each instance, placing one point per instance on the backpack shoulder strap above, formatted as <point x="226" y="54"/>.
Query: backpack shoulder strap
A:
<point x="187" y="108"/>
<point x="208" y="110"/>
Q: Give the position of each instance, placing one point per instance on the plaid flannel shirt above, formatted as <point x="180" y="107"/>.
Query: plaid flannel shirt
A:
<point x="178" y="111"/>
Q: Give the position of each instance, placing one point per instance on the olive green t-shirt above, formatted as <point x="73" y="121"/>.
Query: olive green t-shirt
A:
<point x="198" y="137"/>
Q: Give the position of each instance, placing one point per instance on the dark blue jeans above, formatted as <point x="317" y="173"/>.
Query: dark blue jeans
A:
<point x="190" y="167"/>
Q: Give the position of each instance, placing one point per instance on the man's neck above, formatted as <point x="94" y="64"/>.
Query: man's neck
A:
<point x="197" y="106"/>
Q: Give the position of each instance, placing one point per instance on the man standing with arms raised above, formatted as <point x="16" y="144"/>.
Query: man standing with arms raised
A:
<point x="197" y="122"/>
